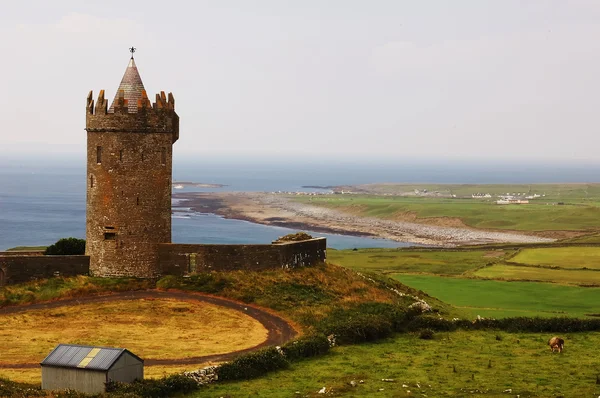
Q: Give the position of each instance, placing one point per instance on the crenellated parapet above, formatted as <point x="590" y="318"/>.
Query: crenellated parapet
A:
<point x="157" y="117"/>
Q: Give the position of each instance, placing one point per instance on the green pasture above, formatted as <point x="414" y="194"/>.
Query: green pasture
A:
<point x="515" y="272"/>
<point x="475" y="363"/>
<point x="539" y="215"/>
<point x="431" y="262"/>
<point x="562" y="257"/>
<point x="501" y="299"/>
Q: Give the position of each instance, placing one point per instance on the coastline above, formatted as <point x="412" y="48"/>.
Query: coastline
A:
<point x="277" y="210"/>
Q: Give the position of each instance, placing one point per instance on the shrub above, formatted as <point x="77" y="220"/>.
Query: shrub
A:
<point x="66" y="247"/>
<point x="203" y="282"/>
<point x="297" y="237"/>
<point x="426" y="334"/>
<point x="154" y="388"/>
<point x="306" y="347"/>
<point x="253" y="365"/>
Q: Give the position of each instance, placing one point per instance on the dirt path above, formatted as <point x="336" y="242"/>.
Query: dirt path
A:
<point x="279" y="330"/>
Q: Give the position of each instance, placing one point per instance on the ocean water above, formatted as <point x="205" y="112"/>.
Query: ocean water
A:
<point x="41" y="202"/>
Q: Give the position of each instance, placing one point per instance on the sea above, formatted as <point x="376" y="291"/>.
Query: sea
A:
<point x="42" y="201"/>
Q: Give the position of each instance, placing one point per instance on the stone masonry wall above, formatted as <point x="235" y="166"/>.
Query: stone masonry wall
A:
<point x="182" y="259"/>
<point x="25" y="268"/>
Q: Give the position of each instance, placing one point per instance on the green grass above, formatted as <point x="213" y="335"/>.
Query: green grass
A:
<point x="500" y="299"/>
<point x="520" y="362"/>
<point x="431" y="262"/>
<point x="562" y="257"/>
<point x="515" y="272"/>
<point x="536" y="216"/>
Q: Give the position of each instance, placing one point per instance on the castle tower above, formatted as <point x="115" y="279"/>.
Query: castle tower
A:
<point x="129" y="168"/>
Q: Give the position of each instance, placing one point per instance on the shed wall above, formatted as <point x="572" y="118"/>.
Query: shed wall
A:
<point x="87" y="381"/>
<point x="126" y="370"/>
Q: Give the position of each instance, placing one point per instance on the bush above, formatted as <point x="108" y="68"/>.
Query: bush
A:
<point x="203" y="282"/>
<point x="426" y="334"/>
<point x="154" y="388"/>
<point x="306" y="347"/>
<point x="66" y="247"/>
<point x="252" y="365"/>
<point x="297" y="237"/>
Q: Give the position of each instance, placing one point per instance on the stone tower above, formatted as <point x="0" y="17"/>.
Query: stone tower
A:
<point x="129" y="168"/>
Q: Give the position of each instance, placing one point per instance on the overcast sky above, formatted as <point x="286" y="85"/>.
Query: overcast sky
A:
<point x="486" y="79"/>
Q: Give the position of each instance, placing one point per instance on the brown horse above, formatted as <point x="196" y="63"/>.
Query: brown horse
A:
<point x="556" y="343"/>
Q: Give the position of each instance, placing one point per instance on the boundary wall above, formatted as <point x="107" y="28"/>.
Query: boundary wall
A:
<point x="174" y="259"/>
<point x="185" y="259"/>
<point x="25" y="267"/>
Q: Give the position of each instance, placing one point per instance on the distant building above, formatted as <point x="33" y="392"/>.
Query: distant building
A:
<point x="87" y="369"/>
<point x="512" y="202"/>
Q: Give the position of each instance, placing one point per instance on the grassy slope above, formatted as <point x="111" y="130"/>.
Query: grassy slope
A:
<point x="563" y="257"/>
<point x="57" y="288"/>
<point x="505" y="299"/>
<point x="409" y="360"/>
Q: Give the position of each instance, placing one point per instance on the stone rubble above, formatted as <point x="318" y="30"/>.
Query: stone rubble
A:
<point x="203" y="376"/>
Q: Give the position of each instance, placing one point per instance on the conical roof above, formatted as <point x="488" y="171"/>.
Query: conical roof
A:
<point x="132" y="85"/>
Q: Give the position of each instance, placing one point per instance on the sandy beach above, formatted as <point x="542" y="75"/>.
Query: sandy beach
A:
<point x="275" y="209"/>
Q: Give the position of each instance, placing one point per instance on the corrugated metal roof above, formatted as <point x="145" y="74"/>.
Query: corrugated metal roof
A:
<point x="133" y="87"/>
<point x="84" y="357"/>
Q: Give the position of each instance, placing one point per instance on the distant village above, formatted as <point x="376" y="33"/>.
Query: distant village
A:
<point x="508" y="198"/>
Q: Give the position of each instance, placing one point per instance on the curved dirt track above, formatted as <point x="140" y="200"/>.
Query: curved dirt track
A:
<point x="279" y="330"/>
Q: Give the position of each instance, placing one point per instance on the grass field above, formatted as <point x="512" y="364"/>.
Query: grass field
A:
<point x="536" y="216"/>
<point x="432" y="262"/>
<point x="453" y="364"/>
<point x="562" y="257"/>
<point x="514" y="272"/>
<point x="500" y="299"/>
<point x="158" y="329"/>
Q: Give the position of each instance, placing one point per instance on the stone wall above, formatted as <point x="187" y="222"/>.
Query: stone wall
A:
<point x="182" y="259"/>
<point x="25" y="268"/>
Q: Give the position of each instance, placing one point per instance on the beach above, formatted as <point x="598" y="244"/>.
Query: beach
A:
<point x="280" y="210"/>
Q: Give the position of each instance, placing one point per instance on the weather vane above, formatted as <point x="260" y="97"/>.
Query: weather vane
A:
<point x="132" y="50"/>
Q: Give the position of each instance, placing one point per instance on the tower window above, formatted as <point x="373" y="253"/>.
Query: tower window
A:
<point x="110" y="236"/>
<point x="91" y="181"/>
<point x="163" y="156"/>
<point x="142" y="156"/>
<point x="121" y="155"/>
<point x="98" y="154"/>
<point x="137" y="200"/>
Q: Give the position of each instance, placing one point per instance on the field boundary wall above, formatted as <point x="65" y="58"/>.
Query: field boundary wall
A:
<point x="32" y="266"/>
<point x="184" y="259"/>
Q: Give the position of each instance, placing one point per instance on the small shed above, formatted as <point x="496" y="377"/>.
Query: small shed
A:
<point x="87" y="369"/>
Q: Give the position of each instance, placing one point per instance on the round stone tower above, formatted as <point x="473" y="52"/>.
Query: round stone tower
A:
<point x="129" y="168"/>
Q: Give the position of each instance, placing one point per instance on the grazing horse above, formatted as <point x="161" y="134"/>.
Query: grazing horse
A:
<point x="556" y="343"/>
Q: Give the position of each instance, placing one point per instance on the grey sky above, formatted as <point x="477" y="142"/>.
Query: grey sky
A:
<point x="484" y="79"/>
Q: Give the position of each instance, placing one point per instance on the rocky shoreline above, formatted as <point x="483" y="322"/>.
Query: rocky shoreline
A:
<point x="279" y="210"/>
